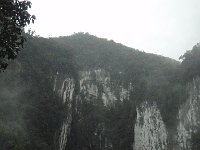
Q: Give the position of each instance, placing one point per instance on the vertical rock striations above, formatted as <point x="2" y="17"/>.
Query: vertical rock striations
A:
<point x="189" y="115"/>
<point x="66" y="93"/>
<point x="150" y="131"/>
<point x="98" y="83"/>
<point x="93" y="84"/>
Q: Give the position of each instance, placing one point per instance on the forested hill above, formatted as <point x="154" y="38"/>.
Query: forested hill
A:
<point x="92" y="51"/>
<point x="35" y="112"/>
<point x="83" y="51"/>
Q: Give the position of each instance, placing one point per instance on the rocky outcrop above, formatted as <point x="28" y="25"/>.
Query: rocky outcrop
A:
<point x="150" y="131"/>
<point x="92" y="84"/>
<point x="98" y="83"/>
<point x="65" y="90"/>
<point x="189" y="115"/>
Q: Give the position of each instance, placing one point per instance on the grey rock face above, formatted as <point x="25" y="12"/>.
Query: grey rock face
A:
<point x="94" y="83"/>
<point x="99" y="83"/>
<point x="65" y="90"/>
<point x="189" y="115"/>
<point x="150" y="130"/>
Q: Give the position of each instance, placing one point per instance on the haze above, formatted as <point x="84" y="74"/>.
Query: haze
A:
<point x="164" y="27"/>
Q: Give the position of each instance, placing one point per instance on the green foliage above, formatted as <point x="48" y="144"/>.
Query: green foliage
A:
<point x="14" y="17"/>
<point x="39" y="111"/>
<point x="12" y="127"/>
<point x="30" y="110"/>
<point x="191" y="63"/>
<point x="44" y="111"/>
<point x="88" y="125"/>
<point x="195" y="140"/>
<point x="119" y="122"/>
<point x="93" y="52"/>
<point x="43" y="117"/>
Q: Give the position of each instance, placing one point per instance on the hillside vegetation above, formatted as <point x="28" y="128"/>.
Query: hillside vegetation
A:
<point x="31" y="113"/>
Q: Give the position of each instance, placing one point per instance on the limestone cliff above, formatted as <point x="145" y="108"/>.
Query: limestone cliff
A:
<point x="189" y="115"/>
<point x="150" y="131"/>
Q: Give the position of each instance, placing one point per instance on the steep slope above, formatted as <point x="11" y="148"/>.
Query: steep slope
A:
<point x="84" y="92"/>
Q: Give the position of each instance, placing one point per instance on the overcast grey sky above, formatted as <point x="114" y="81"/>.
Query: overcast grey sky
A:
<point x="164" y="27"/>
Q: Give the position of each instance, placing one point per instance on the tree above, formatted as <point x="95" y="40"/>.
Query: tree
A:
<point x="195" y="138"/>
<point x="191" y="63"/>
<point x="14" y="16"/>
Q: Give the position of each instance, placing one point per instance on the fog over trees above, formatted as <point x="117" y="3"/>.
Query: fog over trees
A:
<point x="82" y="92"/>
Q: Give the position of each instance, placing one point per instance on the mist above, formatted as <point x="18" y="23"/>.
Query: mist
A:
<point x="167" y="28"/>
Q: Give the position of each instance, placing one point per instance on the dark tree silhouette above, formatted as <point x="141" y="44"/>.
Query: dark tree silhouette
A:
<point x="191" y="63"/>
<point x="14" y="16"/>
